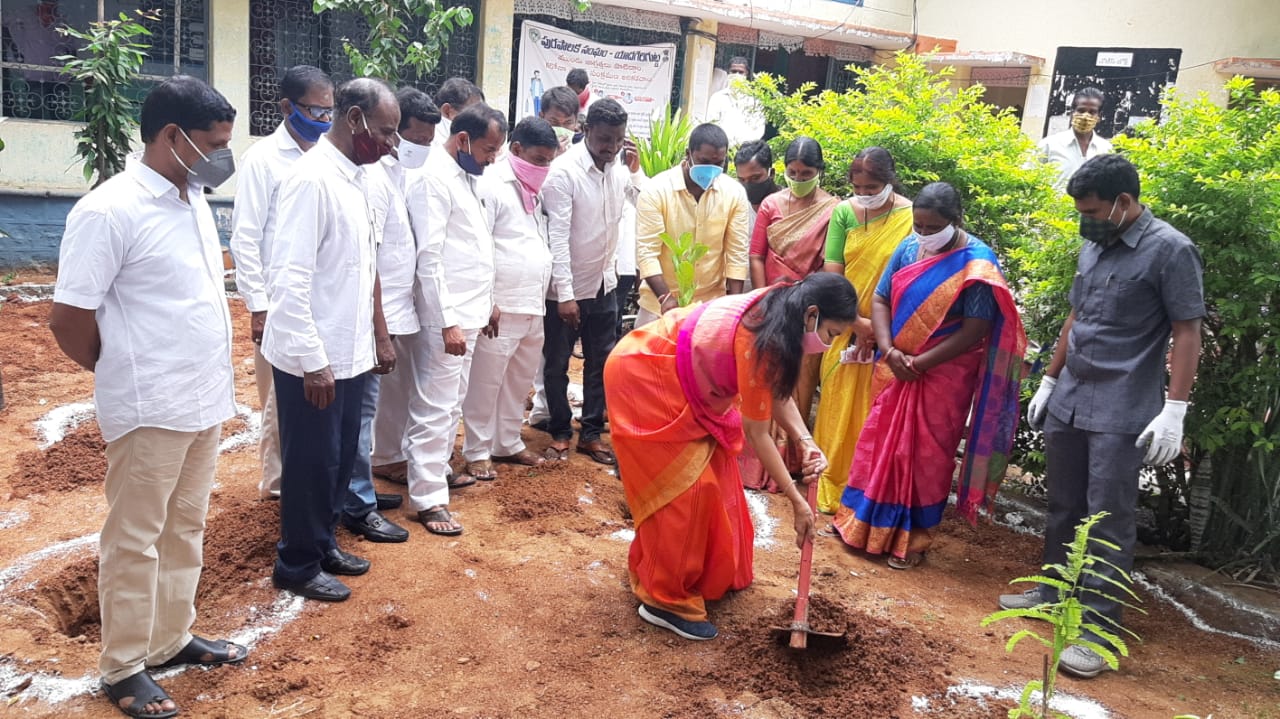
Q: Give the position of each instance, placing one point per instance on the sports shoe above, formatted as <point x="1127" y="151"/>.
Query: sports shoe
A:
<point x="1023" y="600"/>
<point x="1082" y="662"/>
<point x="697" y="631"/>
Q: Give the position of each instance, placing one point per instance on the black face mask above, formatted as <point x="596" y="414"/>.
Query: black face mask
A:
<point x="757" y="191"/>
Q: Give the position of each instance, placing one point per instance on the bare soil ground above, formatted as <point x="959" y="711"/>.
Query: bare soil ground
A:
<point x="529" y="614"/>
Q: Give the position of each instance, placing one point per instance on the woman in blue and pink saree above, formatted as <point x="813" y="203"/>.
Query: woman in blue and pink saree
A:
<point x="951" y="346"/>
<point x="684" y="394"/>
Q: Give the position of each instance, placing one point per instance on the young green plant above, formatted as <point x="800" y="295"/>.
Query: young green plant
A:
<point x="685" y="254"/>
<point x="668" y="139"/>
<point x="1071" y="625"/>
<point x="108" y="68"/>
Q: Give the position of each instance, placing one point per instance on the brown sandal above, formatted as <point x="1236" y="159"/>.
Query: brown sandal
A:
<point x="912" y="560"/>
<point x="524" y="458"/>
<point x="556" y="454"/>
<point x="439" y="514"/>
<point x="481" y="470"/>
<point x="397" y="473"/>
<point x="598" y="452"/>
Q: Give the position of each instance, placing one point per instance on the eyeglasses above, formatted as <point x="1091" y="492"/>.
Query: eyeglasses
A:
<point x="316" y="112"/>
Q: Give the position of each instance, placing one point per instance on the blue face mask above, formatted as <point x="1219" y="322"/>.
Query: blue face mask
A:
<point x="468" y="162"/>
<point x="704" y="175"/>
<point x="307" y="128"/>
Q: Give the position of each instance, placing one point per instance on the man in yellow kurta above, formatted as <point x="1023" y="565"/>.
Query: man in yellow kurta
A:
<point x="694" y="196"/>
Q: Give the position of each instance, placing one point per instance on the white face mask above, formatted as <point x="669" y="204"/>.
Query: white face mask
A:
<point x="871" y="202"/>
<point x="937" y="240"/>
<point x="412" y="155"/>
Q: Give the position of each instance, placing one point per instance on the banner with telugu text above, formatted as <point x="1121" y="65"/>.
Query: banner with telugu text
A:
<point x="638" y="77"/>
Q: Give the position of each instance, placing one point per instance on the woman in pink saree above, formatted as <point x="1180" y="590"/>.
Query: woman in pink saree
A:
<point x="951" y="341"/>
<point x="787" y="245"/>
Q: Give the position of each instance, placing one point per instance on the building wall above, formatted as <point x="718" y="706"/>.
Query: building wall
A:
<point x="1204" y="33"/>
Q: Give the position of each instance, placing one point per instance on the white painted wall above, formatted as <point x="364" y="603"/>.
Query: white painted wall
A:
<point x="1205" y="32"/>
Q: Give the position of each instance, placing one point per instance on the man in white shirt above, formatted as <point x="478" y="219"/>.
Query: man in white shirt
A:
<point x="321" y="334"/>
<point x="1070" y="148"/>
<point x="306" y="101"/>
<point x="455" y="276"/>
<point x="397" y="255"/>
<point x="455" y="95"/>
<point x="140" y="252"/>
<point x="584" y="196"/>
<point x="737" y="113"/>
<point x="505" y="362"/>
<point x="384" y="413"/>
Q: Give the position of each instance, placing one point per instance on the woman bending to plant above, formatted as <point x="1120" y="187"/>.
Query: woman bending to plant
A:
<point x="950" y="338"/>
<point x="684" y="392"/>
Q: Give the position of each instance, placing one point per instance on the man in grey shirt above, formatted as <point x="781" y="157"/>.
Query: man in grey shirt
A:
<point x="1137" y="281"/>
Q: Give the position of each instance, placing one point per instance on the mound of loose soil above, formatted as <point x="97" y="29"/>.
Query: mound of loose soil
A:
<point x="78" y="460"/>
<point x="873" y="675"/>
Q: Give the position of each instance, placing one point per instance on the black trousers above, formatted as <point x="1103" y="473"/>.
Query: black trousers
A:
<point x="598" y="329"/>
<point x="317" y="451"/>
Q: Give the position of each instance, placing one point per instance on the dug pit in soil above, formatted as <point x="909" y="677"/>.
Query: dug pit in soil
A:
<point x="874" y="675"/>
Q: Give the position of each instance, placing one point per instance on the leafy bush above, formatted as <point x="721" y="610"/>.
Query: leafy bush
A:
<point x="391" y="55"/>
<point x="937" y="132"/>
<point x="110" y="64"/>
<point x="1214" y="173"/>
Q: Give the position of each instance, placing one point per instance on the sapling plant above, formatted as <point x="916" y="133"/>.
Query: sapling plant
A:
<point x="1072" y="624"/>
<point x="685" y="254"/>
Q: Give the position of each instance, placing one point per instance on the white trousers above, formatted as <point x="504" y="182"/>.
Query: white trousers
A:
<point x="539" y="411"/>
<point x="269" y="439"/>
<point x="435" y="408"/>
<point x="501" y="373"/>
<point x="391" y="422"/>
<point x="152" y="546"/>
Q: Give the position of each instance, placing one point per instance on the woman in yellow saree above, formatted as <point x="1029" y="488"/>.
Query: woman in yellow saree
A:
<point x="683" y="393"/>
<point x="863" y="234"/>
<point x="787" y="245"/>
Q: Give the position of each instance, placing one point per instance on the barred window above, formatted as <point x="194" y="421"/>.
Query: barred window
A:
<point x="31" y="83"/>
<point x="284" y="33"/>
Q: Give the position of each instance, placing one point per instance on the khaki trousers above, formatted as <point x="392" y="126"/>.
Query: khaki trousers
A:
<point x="151" y="547"/>
<point x="269" y="441"/>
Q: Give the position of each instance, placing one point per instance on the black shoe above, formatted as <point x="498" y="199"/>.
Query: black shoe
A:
<point x="389" y="501"/>
<point x="336" y="561"/>
<point x="542" y="425"/>
<point x="323" y="587"/>
<point x="376" y="528"/>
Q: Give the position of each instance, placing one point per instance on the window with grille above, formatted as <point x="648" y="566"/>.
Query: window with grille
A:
<point x="31" y="83"/>
<point x="284" y="33"/>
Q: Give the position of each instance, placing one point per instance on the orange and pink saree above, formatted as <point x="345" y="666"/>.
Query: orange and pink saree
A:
<point x="677" y="390"/>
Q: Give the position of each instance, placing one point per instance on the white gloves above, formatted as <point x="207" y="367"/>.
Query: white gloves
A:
<point x="1039" y="406"/>
<point x="1163" y="436"/>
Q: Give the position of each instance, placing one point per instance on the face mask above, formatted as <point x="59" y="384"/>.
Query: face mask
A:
<point x="813" y="343"/>
<point x="757" y="191"/>
<point x="210" y="170"/>
<point x="871" y="202"/>
<point x="704" y="175"/>
<point x="938" y="240"/>
<point x="1103" y="232"/>
<point x="411" y="154"/>
<point x="366" y="149"/>
<point x="307" y="128"/>
<point x="1083" y="122"/>
<point x="468" y="162"/>
<point x="579" y="137"/>
<point x="802" y="188"/>
<point x="531" y="177"/>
